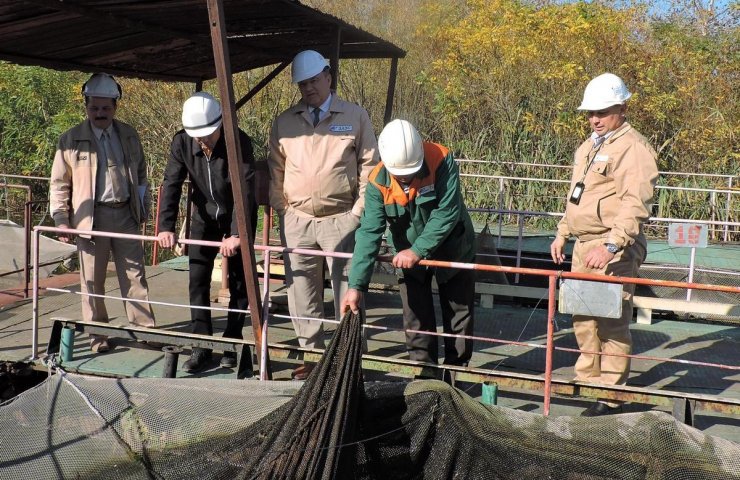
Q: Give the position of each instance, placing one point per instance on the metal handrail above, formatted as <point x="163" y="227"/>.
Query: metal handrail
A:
<point x="553" y="276"/>
<point x="551" y="165"/>
<point x="729" y="192"/>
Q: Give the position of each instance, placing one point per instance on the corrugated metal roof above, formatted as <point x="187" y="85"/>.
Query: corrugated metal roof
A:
<point x="171" y="40"/>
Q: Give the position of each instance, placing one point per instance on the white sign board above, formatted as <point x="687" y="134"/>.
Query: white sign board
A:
<point x="594" y="299"/>
<point x="689" y="235"/>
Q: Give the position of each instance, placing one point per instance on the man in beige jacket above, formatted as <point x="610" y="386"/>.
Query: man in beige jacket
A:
<point x="98" y="182"/>
<point x="610" y="194"/>
<point x="322" y="150"/>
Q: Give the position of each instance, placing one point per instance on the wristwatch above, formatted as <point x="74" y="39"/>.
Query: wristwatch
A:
<point x="611" y="248"/>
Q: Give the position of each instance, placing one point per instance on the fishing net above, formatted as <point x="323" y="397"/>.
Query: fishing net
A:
<point x="333" y="426"/>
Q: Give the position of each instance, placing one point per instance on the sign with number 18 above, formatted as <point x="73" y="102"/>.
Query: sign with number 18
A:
<point x="688" y="235"/>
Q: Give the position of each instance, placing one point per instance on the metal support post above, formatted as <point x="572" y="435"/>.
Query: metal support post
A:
<point x="552" y="283"/>
<point x="692" y="262"/>
<point x="171" y="355"/>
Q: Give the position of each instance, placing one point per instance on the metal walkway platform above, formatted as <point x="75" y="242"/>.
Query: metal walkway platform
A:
<point x="703" y="342"/>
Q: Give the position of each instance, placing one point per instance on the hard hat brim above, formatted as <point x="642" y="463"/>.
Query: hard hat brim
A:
<point x="203" y="131"/>
<point x="592" y="107"/>
<point x="102" y="95"/>
<point x="402" y="172"/>
<point x="595" y="106"/>
<point x="307" y="75"/>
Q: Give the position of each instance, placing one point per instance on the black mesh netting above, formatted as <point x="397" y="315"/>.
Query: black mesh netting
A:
<point x="334" y="426"/>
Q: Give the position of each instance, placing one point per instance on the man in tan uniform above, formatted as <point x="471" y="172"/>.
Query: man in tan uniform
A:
<point x="98" y="182"/>
<point x="611" y="190"/>
<point x="322" y="150"/>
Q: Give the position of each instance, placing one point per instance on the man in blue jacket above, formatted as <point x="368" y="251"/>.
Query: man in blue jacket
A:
<point x="415" y="192"/>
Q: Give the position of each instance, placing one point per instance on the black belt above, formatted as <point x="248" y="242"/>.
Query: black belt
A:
<point x="112" y="204"/>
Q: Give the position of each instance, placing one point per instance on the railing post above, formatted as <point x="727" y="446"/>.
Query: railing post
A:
<point x="27" y="221"/>
<point x="552" y="283"/>
<point x="519" y="241"/>
<point x="692" y="265"/>
<point x="728" y="206"/>
<point x="35" y="310"/>
<point x="713" y="210"/>
<point x="500" y="207"/>
<point x="155" y="247"/>
<point x="265" y="372"/>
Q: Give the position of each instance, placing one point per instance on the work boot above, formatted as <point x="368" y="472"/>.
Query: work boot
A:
<point x="228" y="360"/>
<point x="199" y="360"/>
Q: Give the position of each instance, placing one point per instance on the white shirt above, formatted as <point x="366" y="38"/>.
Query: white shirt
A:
<point x="598" y="140"/>
<point x="323" y="108"/>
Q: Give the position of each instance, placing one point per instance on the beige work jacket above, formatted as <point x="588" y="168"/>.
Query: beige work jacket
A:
<point x="72" y="187"/>
<point x="619" y="182"/>
<point x="321" y="171"/>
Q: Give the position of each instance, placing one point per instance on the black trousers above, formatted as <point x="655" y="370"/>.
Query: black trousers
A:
<point x="456" y="298"/>
<point x="201" y="267"/>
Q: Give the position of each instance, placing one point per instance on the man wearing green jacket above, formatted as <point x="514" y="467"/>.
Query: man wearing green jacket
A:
<point x="415" y="192"/>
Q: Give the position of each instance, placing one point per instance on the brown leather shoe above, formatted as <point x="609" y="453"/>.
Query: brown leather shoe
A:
<point x="302" y="372"/>
<point x="99" y="344"/>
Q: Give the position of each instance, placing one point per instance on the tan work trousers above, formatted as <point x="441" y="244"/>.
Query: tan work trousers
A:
<point x="128" y="256"/>
<point x="304" y="274"/>
<point x="607" y="335"/>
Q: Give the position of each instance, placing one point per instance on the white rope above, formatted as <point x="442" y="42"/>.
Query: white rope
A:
<point x="84" y="397"/>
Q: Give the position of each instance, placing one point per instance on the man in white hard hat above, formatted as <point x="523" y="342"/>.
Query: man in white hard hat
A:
<point x="609" y="201"/>
<point x="415" y="192"/>
<point x="321" y="152"/>
<point x="198" y="152"/>
<point x="98" y="182"/>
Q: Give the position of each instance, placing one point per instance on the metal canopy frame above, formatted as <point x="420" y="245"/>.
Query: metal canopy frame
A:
<point x="168" y="40"/>
<point x="171" y="39"/>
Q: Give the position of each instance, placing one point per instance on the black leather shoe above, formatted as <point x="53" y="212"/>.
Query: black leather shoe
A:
<point x="199" y="360"/>
<point x="228" y="360"/>
<point x="599" y="408"/>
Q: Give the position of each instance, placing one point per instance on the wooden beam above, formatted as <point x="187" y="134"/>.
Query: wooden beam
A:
<point x="67" y="66"/>
<point x="334" y="60"/>
<point x="391" y="91"/>
<point x="92" y="13"/>
<point x="262" y="84"/>
<point x="234" y="151"/>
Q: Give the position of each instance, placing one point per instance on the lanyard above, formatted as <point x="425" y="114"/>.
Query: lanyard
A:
<point x="590" y="162"/>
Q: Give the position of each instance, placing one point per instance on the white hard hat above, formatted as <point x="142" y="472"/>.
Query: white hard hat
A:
<point x="101" y="85"/>
<point x="401" y="148"/>
<point x="201" y="115"/>
<point x="604" y="91"/>
<point x="307" y="64"/>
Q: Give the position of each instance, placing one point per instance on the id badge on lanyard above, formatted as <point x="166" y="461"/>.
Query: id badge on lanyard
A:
<point x="579" y="187"/>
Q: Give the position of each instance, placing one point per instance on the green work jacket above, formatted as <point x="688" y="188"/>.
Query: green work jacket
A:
<point x="431" y="219"/>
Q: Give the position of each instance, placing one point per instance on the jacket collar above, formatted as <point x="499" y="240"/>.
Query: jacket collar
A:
<point x="336" y="105"/>
<point x="199" y="151"/>
<point x="384" y="177"/>
<point x="624" y="128"/>
<point x="84" y="131"/>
